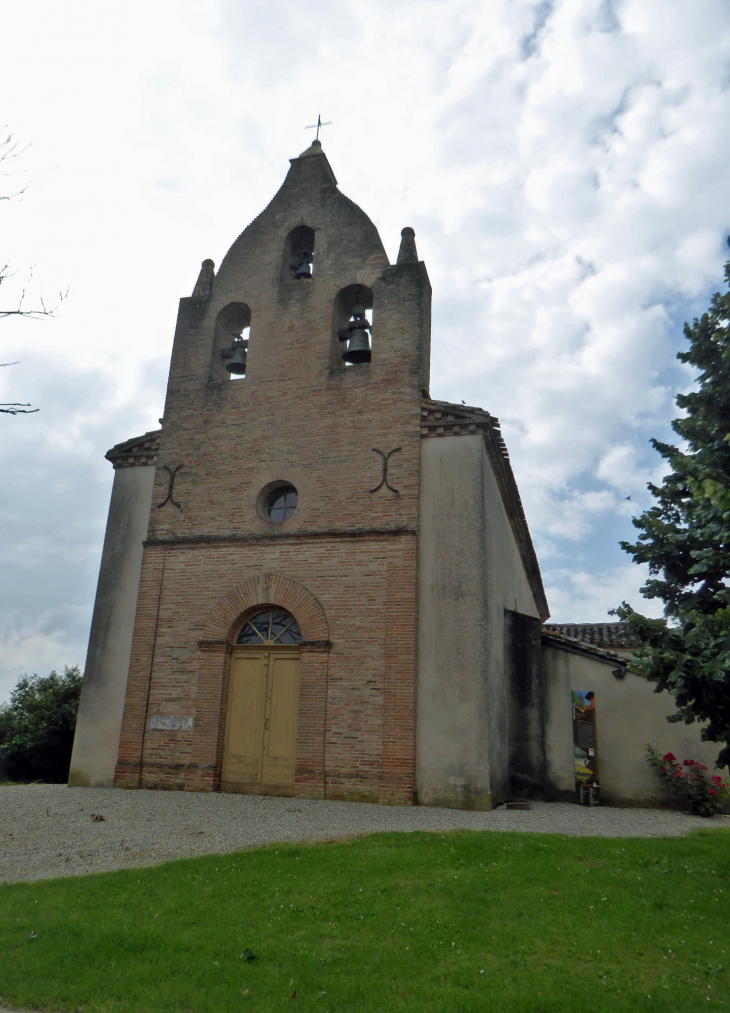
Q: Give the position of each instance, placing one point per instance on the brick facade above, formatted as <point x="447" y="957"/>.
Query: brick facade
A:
<point x="345" y="564"/>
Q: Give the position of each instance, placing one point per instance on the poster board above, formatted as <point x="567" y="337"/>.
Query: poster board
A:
<point x="585" y="750"/>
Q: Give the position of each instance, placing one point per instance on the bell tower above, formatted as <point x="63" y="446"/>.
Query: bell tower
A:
<point x="292" y="429"/>
<point x="313" y="573"/>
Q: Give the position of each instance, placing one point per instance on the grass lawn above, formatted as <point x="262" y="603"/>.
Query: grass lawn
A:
<point x="434" y="922"/>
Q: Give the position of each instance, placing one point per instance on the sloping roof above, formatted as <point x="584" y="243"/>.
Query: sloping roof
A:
<point x="141" y="450"/>
<point x="552" y="639"/>
<point x="441" y="418"/>
<point x="606" y="635"/>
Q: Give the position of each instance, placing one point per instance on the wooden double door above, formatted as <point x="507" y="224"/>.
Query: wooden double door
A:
<point x="260" y="747"/>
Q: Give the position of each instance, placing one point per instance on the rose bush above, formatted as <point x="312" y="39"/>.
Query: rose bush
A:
<point x="691" y="782"/>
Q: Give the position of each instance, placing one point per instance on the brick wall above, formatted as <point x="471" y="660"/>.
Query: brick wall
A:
<point x="300" y="418"/>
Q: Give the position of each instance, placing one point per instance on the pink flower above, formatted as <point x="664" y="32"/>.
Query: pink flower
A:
<point x="678" y="773"/>
<point x="669" y="757"/>
<point x="687" y="763"/>
<point x="664" y="770"/>
<point x="716" y="779"/>
<point x="713" y="791"/>
<point x="702" y="767"/>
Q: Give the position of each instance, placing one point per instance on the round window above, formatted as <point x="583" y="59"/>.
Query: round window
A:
<point x="273" y="626"/>
<point x="281" y="503"/>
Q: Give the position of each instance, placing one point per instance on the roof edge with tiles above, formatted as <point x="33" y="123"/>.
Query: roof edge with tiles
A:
<point x="138" y="452"/>
<point x="441" y="418"/>
<point x="611" y="636"/>
<point x="564" y="643"/>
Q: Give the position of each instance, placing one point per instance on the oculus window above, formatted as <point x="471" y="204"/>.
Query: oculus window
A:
<point x="281" y="504"/>
<point x="274" y="626"/>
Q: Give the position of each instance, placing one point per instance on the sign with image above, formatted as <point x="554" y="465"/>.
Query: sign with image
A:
<point x="584" y="746"/>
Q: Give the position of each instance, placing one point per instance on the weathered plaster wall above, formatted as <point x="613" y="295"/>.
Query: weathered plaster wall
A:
<point x="469" y="571"/>
<point x="507" y="588"/>
<point x="526" y="705"/>
<point x="629" y="714"/>
<point x="107" y="662"/>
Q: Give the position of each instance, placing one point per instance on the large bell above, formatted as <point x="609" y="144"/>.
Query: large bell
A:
<point x="236" y="356"/>
<point x="304" y="267"/>
<point x="357" y="337"/>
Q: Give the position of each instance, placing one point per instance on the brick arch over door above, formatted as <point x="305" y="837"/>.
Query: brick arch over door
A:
<point x="267" y="589"/>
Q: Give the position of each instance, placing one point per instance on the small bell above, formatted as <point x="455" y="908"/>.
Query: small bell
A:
<point x="357" y="337"/>
<point x="236" y="356"/>
<point x="304" y="267"/>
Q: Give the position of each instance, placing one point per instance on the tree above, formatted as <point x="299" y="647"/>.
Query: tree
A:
<point x="685" y="539"/>
<point x="37" y="727"/>
<point x="15" y="407"/>
<point x="9" y="150"/>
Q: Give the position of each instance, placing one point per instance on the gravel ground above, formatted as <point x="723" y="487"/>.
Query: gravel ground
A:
<point x="49" y="830"/>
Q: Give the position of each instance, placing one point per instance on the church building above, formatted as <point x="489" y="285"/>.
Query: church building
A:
<point x="316" y="580"/>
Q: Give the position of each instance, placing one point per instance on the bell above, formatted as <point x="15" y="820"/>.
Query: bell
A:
<point x="357" y="337"/>
<point x="358" y="347"/>
<point x="304" y="267"/>
<point x="236" y="356"/>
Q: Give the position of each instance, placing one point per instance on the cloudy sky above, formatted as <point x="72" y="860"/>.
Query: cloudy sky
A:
<point x="564" y="165"/>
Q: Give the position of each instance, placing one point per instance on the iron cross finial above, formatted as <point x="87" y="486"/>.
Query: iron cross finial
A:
<point x="318" y="125"/>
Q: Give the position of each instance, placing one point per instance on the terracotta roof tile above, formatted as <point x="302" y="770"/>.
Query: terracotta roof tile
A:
<point x="606" y="635"/>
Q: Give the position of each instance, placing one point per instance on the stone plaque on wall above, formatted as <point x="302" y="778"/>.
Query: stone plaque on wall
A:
<point x="170" y="722"/>
<point x="584" y="747"/>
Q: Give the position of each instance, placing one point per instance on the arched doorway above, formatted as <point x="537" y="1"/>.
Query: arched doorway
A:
<point x="260" y="746"/>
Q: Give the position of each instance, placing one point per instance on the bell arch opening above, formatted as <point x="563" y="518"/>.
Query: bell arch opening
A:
<point x="352" y="322"/>
<point x="230" y="342"/>
<point x="298" y="263"/>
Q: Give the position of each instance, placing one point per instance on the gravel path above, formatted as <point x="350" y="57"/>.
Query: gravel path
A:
<point x="49" y="830"/>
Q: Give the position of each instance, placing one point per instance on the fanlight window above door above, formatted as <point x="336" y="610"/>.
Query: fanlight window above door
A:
<point x="275" y="627"/>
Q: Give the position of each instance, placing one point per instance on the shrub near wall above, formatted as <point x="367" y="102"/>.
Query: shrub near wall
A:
<point x="690" y="782"/>
<point x="37" y="727"/>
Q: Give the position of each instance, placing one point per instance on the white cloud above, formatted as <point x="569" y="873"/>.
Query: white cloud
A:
<point x="621" y="468"/>
<point x="44" y="644"/>
<point x="564" y="166"/>
<point x="581" y="596"/>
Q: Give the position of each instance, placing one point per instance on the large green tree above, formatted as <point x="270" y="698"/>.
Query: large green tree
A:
<point x="37" y="727"/>
<point x="685" y="539"/>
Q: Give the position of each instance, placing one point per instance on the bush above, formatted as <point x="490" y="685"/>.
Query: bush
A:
<point x="37" y="727"/>
<point x="690" y="781"/>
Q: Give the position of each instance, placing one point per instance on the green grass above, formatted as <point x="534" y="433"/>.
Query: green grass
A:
<point x="391" y="922"/>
